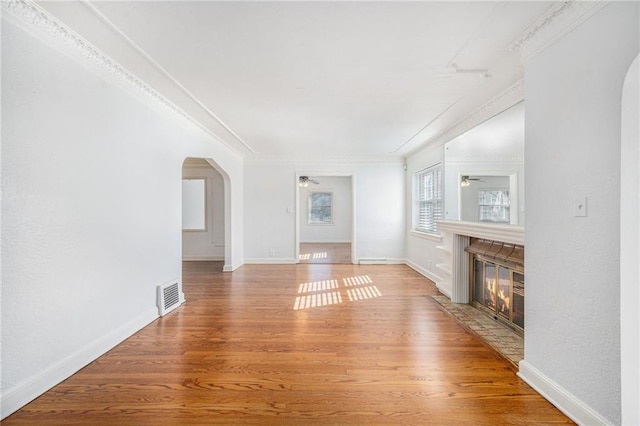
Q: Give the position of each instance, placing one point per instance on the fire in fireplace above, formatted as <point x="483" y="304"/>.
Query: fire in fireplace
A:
<point x="497" y="280"/>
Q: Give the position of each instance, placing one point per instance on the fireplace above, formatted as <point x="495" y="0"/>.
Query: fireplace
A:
<point x="496" y="280"/>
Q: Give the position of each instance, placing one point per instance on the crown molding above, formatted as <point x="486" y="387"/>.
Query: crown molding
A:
<point x="555" y="23"/>
<point x="161" y="70"/>
<point x="36" y="21"/>
<point x="320" y="160"/>
<point x="506" y="99"/>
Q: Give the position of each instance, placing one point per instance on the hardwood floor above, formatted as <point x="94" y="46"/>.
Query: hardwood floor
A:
<point x="257" y="347"/>
<point x="325" y="253"/>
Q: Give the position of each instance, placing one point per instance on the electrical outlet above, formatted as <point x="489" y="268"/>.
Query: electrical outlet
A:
<point x="272" y="252"/>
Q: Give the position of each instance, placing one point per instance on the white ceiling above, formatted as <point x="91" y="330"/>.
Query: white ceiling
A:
<point x="316" y="79"/>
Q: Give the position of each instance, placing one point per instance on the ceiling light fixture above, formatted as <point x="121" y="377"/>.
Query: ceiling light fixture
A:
<point x="453" y="69"/>
<point x="304" y="181"/>
<point x="466" y="180"/>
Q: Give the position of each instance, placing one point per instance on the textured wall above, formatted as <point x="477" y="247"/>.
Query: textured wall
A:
<point x="91" y="221"/>
<point x="572" y="150"/>
<point x="630" y="247"/>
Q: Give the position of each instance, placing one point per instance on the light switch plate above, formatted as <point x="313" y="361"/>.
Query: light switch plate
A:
<point x="580" y="207"/>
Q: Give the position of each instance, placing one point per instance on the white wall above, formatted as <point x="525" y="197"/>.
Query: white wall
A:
<point x="270" y="201"/>
<point x="269" y="217"/>
<point x="340" y="230"/>
<point x="573" y="95"/>
<point x="422" y="252"/>
<point x="380" y="212"/>
<point x="91" y="197"/>
<point x="208" y="244"/>
<point x="630" y="247"/>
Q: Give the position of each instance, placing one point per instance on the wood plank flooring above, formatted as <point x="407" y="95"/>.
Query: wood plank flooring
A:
<point x="373" y="350"/>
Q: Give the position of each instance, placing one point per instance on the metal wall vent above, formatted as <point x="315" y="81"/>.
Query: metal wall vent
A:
<point x="170" y="296"/>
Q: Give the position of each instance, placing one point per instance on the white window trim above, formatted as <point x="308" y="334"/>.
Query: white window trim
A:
<point x="431" y="236"/>
<point x="416" y="229"/>
<point x="205" y="188"/>
<point x="504" y="206"/>
<point x="311" y="223"/>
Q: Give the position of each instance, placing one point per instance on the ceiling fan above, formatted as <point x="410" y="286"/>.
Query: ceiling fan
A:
<point x="466" y="180"/>
<point x="304" y="181"/>
<point x="453" y="69"/>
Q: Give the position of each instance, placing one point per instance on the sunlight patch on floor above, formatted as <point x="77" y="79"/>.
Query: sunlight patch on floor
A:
<point x="318" y="286"/>
<point x="317" y="299"/>
<point x="360" y="280"/>
<point x="362" y="293"/>
<point x="319" y="293"/>
<point x="318" y="255"/>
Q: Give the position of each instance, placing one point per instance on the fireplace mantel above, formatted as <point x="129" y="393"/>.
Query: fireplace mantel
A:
<point x="504" y="233"/>
<point x="455" y="238"/>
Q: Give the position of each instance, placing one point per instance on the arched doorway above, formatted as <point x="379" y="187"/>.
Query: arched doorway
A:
<point x="205" y="206"/>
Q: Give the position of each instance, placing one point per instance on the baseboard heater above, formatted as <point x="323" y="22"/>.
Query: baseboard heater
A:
<point x="170" y="296"/>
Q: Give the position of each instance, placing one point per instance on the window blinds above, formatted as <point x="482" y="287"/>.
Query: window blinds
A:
<point x="429" y="198"/>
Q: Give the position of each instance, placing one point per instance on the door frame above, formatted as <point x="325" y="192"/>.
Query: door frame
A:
<point x="352" y="176"/>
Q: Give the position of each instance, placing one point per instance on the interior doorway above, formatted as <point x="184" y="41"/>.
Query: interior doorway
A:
<point x="203" y="212"/>
<point x="325" y="218"/>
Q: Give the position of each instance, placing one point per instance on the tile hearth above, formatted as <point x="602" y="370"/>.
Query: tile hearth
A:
<point x="499" y="337"/>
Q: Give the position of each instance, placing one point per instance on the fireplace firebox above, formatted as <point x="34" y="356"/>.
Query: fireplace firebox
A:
<point x="497" y="280"/>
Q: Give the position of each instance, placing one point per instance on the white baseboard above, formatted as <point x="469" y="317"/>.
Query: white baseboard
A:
<point x="202" y="258"/>
<point x="231" y="268"/>
<point x="444" y="290"/>
<point x="270" y="261"/>
<point x="566" y="402"/>
<point x="326" y="242"/>
<point x="26" y="391"/>
<point x="380" y="261"/>
<point x="422" y="271"/>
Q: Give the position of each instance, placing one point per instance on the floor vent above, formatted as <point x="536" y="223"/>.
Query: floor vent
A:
<point x="170" y="296"/>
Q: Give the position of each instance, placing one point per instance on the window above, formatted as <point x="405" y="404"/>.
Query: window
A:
<point x="194" y="204"/>
<point x="494" y="205"/>
<point x="428" y="198"/>
<point x="320" y="208"/>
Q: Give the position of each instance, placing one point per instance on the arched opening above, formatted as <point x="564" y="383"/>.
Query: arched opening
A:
<point x="206" y="234"/>
<point x="630" y="247"/>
